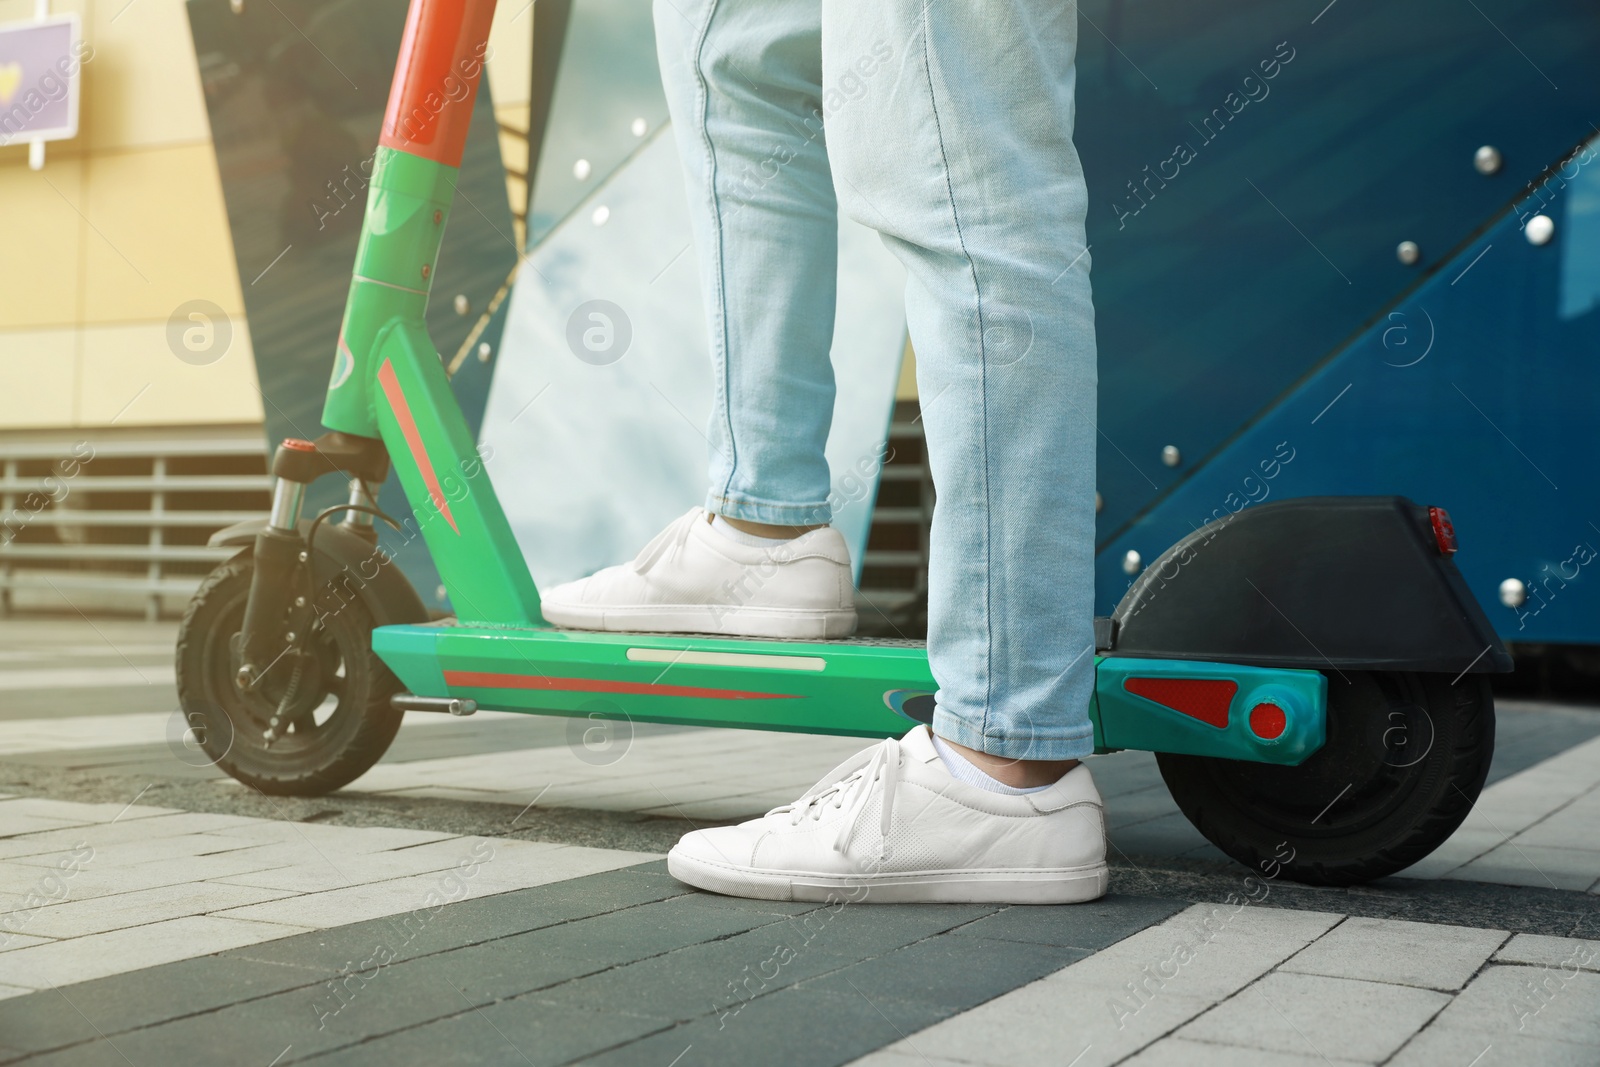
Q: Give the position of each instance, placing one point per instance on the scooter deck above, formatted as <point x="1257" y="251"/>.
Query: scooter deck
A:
<point x="867" y="687"/>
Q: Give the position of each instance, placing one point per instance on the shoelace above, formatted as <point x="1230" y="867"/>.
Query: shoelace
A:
<point x="672" y="538"/>
<point x="852" y="793"/>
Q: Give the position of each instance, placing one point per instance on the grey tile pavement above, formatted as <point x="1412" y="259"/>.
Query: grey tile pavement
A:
<point x="1289" y="988"/>
<point x="617" y="967"/>
<point x="1426" y="955"/>
<point x="547" y="962"/>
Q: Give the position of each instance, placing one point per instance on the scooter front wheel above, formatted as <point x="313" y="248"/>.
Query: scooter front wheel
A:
<point x="1405" y="757"/>
<point x="330" y="695"/>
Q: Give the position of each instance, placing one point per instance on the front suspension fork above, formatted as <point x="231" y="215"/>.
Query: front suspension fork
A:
<point x="278" y="613"/>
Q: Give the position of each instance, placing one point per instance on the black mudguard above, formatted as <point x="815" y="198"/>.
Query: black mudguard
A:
<point x="348" y="565"/>
<point x="1319" y="583"/>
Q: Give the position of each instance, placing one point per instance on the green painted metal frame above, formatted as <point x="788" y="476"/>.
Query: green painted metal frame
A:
<point x="388" y="382"/>
<point x="830" y="687"/>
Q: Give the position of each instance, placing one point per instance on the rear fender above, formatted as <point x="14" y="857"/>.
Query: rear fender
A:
<point x="1321" y="583"/>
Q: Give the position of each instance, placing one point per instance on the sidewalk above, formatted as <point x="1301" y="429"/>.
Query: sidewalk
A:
<point x="155" y="913"/>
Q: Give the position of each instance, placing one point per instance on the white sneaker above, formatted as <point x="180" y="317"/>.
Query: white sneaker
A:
<point x="892" y="825"/>
<point x="691" y="579"/>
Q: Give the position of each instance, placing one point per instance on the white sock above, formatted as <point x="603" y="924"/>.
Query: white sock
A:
<point x="964" y="770"/>
<point x="749" y="540"/>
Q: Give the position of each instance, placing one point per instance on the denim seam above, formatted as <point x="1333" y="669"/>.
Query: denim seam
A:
<point x="723" y="400"/>
<point x="821" y="510"/>
<point x="983" y="383"/>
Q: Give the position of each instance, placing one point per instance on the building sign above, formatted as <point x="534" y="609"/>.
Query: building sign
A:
<point x="39" y="66"/>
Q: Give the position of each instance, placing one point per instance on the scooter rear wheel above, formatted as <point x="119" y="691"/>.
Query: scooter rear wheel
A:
<point x="1405" y="758"/>
<point x="331" y="699"/>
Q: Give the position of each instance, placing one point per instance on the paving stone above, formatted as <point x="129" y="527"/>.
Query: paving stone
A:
<point x="524" y="962"/>
<point x="1178" y="1052"/>
<point x="478" y="860"/>
<point x="22" y="823"/>
<point x="1090" y="926"/>
<point x="472" y="921"/>
<point x="15" y="940"/>
<point x="1308" y="1014"/>
<point x="77" y="918"/>
<point x="1440" y="1044"/>
<point x="1207" y="951"/>
<point x="521" y="867"/>
<point x="102" y="1053"/>
<point x="789" y="1028"/>
<point x="1462" y="847"/>
<point x="98" y="955"/>
<point x="699" y="980"/>
<point x="51" y="1018"/>
<point x="346" y="840"/>
<point x="138" y="830"/>
<point x="337" y="907"/>
<point x="101" y="880"/>
<point x="1136" y="806"/>
<point x="1055" y="1023"/>
<point x="1168" y="835"/>
<point x="143" y="850"/>
<point x="1514" y="863"/>
<point x="1538" y="1002"/>
<point x="949" y="972"/>
<point x="1571" y="827"/>
<point x="895" y="1056"/>
<point x="517" y="1032"/>
<point x="1405" y="953"/>
<point x="367" y="1000"/>
<point x="1560" y="952"/>
<point x="76" y="811"/>
<point x="312" y="1019"/>
<point x="857" y="931"/>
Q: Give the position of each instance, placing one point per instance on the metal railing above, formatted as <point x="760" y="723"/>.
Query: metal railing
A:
<point x="123" y="515"/>
<point x="894" y="575"/>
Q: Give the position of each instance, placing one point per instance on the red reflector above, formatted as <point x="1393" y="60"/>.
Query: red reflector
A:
<point x="295" y="444"/>
<point x="1267" y="721"/>
<point x="1444" y="531"/>
<point x="1199" y="698"/>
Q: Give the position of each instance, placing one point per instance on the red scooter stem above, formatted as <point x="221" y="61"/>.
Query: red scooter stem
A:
<point x="441" y="60"/>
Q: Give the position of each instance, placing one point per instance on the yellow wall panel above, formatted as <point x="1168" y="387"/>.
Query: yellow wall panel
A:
<point x="511" y="61"/>
<point x="131" y="377"/>
<point x="163" y="235"/>
<point x="142" y="87"/>
<point x="37" y="367"/>
<point x="40" y="237"/>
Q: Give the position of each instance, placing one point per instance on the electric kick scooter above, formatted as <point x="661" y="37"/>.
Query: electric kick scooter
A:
<point x="1310" y="673"/>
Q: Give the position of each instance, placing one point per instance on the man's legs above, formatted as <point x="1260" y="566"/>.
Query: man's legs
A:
<point x="951" y="134"/>
<point x="743" y="83"/>
<point x="958" y="148"/>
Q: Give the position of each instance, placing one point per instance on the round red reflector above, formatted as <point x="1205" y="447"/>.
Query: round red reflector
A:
<point x="1268" y="721"/>
<point x="295" y="444"/>
<point x="1444" y="531"/>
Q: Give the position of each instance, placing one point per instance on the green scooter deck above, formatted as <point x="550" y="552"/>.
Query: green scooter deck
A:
<point x="858" y="687"/>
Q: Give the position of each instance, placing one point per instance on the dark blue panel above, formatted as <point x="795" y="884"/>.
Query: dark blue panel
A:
<point x="1271" y="240"/>
<point x="296" y="91"/>
<point x="1478" y="392"/>
<point x="607" y="98"/>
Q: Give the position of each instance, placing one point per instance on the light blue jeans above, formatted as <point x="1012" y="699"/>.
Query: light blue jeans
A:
<point x="948" y="130"/>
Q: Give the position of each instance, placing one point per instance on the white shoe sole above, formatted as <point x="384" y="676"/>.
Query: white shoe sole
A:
<point x="1069" y="885"/>
<point x="789" y="623"/>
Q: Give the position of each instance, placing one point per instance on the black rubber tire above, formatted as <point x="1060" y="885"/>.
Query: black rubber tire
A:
<point x="1366" y="804"/>
<point x="308" y="758"/>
